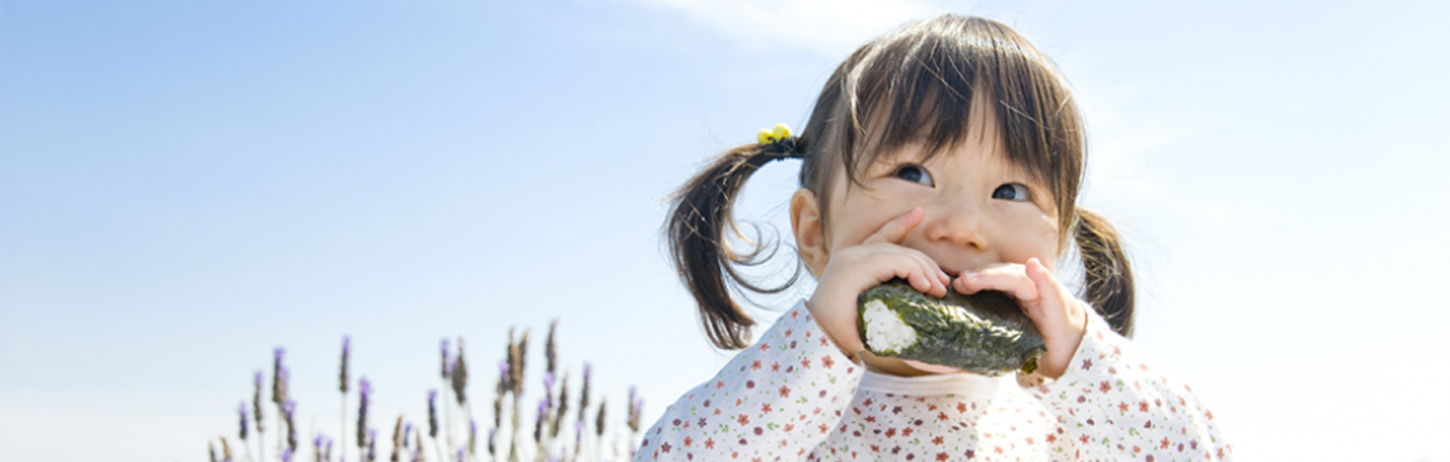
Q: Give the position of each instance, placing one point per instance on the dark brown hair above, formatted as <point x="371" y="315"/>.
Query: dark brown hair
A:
<point x="913" y="85"/>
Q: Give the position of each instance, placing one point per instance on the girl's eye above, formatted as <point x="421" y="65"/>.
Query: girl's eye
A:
<point x="1012" y="192"/>
<point x="915" y="173"/>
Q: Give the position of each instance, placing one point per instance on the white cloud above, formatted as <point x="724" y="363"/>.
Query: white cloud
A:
<point x="822" y="26"/>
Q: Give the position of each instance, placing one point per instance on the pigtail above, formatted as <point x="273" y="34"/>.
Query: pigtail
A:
<point x="702" y="211"/>
<point x="1107" y="277"/>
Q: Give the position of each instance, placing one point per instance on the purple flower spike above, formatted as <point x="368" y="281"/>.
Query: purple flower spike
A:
<point x="578" y="431"/>
<point x="288" y="408"/>
<point x="242" y="411"/>
<point x="286" y="454"/>
<point x="503" y="368"/>
<point x="447" y="358"/>
<point x="257" y="379"/>
<point x="460" y="455"/>
<point x="364" y="387"/>
<point x="317" y="442"/>
<point x="587" y="369"/>
<point x="543" y="407"/>
<point x="548" y="380"/>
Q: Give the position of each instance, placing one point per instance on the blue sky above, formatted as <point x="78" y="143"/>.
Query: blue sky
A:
<point x="186" y="185"/>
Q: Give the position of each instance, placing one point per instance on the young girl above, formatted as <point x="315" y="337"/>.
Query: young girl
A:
<point x="949" y="154"/>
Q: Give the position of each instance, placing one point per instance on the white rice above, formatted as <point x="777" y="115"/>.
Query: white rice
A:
<point x="885" y="331"/>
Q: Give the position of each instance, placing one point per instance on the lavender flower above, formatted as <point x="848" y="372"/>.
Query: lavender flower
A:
<point x="539" y="421"/>
<point x="317" y="448"/>
<point x="636" y="406"/>
<point x="327" y="455"/>
<point x="364" y="388"/>
<point x="460" y="374"/>
<point x="518" y="369"/>
<point x="286" y="454"/>
<point x="447" y="363"/>
<point x="599" y="421"/>
<point x="491" y="448"/>
<point x="584" y="392"/>
<point x="460" y="455"/>
<point x="397" y="440"/>
<point x="563" y="407"/>
<point x="578" y="432"/>
<point x="551" y="352"/>
<point x="257" y="399"/>
<point x="472" y="436"/>
<point x="346" y="351"/>
<point x="279" y="384"/>
<point x="498" y="411"/>
<point x="288" y="409"/>
<point x="516" y="353"/>
<point x="242" y="411"/>
<point x="503" y="377"/>
<point x="372" y="444"/>
<point x="432" y="414"/>
<point x="407" y="430"/>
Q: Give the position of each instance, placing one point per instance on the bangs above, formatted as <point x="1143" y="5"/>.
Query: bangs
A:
<point x="918" y="85"/>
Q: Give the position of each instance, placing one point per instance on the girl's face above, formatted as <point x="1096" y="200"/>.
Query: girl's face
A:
<point x="980" y="209"/>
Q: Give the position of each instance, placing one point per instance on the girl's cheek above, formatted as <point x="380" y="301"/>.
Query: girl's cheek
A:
<point x="1037" y="239"/>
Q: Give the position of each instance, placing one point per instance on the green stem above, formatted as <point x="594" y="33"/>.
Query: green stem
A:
<point x="342" y="429"/>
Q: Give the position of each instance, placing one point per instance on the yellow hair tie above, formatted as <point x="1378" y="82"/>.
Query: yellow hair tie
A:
<point x="779" y="133"/>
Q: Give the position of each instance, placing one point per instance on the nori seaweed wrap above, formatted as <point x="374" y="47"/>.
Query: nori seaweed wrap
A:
<point x="984" y="333"/>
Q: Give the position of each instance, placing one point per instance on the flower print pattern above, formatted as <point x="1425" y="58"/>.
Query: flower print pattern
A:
<point x="795" y="397"/>
<point x="1121" y="408"/>
<point x="762" y="401"/>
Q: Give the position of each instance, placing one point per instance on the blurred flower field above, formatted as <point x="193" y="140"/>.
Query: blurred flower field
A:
<point x="563" y="426"/>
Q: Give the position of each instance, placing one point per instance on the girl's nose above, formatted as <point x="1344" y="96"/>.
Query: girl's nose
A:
<point x="959" y="224"/>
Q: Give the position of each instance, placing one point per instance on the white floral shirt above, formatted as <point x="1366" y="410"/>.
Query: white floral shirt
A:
<point x="794" y="396"/>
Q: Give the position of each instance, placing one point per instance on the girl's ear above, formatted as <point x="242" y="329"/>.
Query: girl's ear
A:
<point x="810" y="239"/>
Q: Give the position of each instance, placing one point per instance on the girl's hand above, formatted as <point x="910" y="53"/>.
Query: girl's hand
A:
<point x="1059" y="317"/>
<point x="853" y="269"/>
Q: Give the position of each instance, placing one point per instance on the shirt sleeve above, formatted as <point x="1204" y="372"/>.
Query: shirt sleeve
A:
<point x="1111" y="405"/>
<point x="776" y="399"/>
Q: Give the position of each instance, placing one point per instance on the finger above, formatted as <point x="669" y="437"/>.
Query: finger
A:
<point x="932" y="272"/>
<point x="924" y="276"/>
<point x="1050" y="289"/>
<point x="893" y="231"/>
<point x="938" y="278"/>
<point x="1061" y="320"/>
<point x="1009" y="279"/>
<point x="1046" y="283"/>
